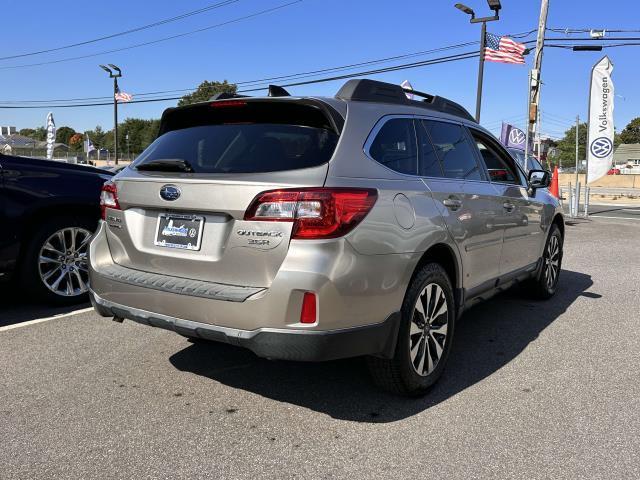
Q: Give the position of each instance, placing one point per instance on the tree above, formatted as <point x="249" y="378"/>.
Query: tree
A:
<point x="97" y="137"/>
<point x="631" y="133"/>
<point x="40" y="134"/>
<point x="566" y="149"/>
<point x="64" y="134"/>
<point x="206" y="90"/>
<point x="76" y="141"/>
<point x="27" y="132"/>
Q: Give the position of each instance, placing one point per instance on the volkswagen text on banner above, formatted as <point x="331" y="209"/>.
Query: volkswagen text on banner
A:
<point x="600" y="152"/>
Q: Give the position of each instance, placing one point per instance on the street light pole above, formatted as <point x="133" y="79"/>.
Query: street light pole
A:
<point x="495" y="6"/>
<point x="483" y="41"/>
<point x="115" y="73"/>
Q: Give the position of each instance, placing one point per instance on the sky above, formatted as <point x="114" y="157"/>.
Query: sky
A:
<point x="306" y="35"/>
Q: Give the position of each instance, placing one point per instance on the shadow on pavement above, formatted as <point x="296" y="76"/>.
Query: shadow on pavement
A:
<point x="488" y="337"/>
<point x="18" y="307"/>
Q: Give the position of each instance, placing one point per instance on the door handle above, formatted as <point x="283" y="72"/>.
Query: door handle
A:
<point x="509" y="207"/>
<point x="452" y="203"/>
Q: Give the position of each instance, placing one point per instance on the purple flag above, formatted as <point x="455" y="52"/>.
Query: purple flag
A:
<point x="512" y="137"/>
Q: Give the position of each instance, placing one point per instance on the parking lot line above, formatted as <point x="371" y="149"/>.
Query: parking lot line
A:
<point x="40" y="320"/>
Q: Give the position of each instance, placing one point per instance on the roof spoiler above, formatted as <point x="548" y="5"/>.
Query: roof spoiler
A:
<point x="366" y="90"/>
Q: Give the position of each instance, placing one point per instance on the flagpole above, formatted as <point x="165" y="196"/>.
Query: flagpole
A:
<point x="115" y="119"/>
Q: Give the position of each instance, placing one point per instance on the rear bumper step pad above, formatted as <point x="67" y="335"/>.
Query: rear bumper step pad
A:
<point x="178" y="285"/>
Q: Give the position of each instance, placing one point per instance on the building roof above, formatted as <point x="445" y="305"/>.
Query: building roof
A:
<point x="626" y="152"/>
<point x="17" y="140"/>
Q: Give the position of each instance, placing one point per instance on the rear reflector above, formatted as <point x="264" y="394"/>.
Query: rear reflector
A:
<point x="308" y="313"/>
<point x="108" y="198"/>
<point x="315" y="212"/>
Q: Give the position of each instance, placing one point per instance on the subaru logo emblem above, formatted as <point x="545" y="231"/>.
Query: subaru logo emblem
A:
<point x="170" y="192"/>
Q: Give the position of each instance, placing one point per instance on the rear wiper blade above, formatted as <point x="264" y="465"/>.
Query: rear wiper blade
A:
<point x="167" y="165"/>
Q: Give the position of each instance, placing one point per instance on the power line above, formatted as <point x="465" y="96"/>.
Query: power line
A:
<point x="447" y="59"/>
<point x="268" y="79"/>
<point x="127" y="32"/>
<point x="152" y="42"/>
<point x="569" y="31"/>
<point x="570" y="47"/>
<point x="289" y="76"/>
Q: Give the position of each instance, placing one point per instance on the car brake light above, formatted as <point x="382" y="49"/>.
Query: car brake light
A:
<point x="308" y="312"/>
<point x="228" y="103"/>
<point x="108" y="198"/>
<point x="315" y="212"/>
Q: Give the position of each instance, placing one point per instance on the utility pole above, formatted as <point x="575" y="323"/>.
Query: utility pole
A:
<point x="115" y="73"/>
<point x="495" y="6"/>
<point x="534" y="83"/>
<point x="577" y="151"/>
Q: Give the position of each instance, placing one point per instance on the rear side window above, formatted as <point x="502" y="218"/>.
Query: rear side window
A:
<point x="395" y="146"/>
<point x="243" y="137"/>
<point x="454" y="149"/>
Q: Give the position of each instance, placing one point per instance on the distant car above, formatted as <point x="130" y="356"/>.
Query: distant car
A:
<point x="613" y="171"/>
<point x="48" y="212"/>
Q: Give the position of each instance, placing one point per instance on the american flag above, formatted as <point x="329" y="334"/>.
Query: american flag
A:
<point x="503" y="49"/>
<point x="122" y="97"/>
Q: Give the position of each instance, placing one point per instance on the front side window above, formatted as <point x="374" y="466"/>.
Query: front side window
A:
<point x="395" y="146"/>
<point x="454" y="149"/>
<point x="499" y="167"/>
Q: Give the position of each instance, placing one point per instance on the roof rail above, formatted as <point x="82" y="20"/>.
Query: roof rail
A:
<point x="366" y="90"/>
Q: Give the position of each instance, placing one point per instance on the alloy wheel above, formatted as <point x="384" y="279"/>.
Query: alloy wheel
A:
<point x="552" y="262"/>
<point x="62" y="262"/>
<point x="428" y="331"/>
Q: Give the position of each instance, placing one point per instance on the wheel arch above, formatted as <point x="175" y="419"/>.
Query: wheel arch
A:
<point x="447" y="258"/>
<point x="558" y="220"/>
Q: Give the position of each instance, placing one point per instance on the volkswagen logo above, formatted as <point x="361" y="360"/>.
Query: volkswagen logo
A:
<point x="601" y="147"/>
<point x="170" y="192"/>
<point x="516" y="136"/>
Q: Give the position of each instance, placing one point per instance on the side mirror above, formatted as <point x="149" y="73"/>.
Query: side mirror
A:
<point x="539" y="179"/>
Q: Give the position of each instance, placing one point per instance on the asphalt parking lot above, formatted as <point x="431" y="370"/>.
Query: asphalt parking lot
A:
<point x="532" y="390"/>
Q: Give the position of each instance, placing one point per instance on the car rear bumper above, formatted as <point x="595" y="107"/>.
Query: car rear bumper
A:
<point x="284" y="344"/>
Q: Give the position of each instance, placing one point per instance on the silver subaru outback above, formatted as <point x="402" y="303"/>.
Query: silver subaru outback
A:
<point x="309" y="228"/>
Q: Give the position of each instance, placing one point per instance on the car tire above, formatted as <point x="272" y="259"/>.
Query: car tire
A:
<point x="410" y="372"/>
<point x="545" y="283"/>
<point x="44" y="261"/>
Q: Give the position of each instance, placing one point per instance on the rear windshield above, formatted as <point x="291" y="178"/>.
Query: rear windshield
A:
<point x="239" y="137"/>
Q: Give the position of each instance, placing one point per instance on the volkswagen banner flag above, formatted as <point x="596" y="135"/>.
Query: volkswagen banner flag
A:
<point x="600" y="151"/>
<point x="51" y="135"/>
<point x="512" y="137"/>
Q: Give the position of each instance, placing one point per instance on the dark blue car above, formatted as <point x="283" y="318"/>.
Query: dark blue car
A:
<point x="48" y="212"/>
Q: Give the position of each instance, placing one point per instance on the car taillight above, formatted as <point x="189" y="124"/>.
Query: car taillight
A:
<point x="316" y="212"/>
<point x="108" y="198"/>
